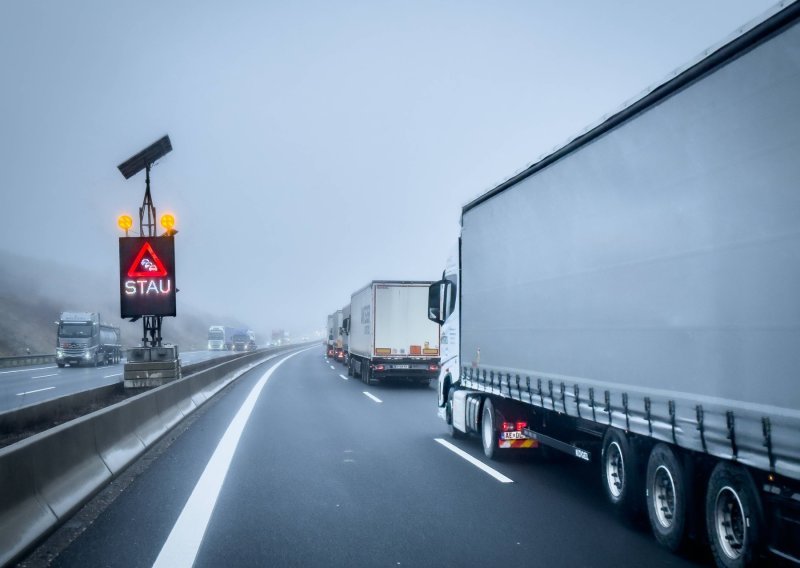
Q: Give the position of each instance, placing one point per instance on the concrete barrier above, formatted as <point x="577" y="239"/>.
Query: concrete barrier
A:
<point x="44" y="479"/>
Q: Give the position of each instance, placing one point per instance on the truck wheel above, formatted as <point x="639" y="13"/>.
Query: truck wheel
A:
<point x="60" y="365"/>
<point x="350" y="369"/>
<point x="666" y="497"/>
<point x="489" y="431"/>
<point x="620" y="472"/>
<point x="734" y="517"/>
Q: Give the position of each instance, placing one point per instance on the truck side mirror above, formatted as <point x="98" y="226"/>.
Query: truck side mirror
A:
<point x="435" y="295"/>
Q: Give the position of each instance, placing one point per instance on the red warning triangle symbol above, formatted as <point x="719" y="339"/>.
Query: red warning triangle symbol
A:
<point x="147" y="264"/>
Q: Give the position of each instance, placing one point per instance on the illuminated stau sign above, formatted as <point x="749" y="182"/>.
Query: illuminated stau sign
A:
<point x="147" y="276"/>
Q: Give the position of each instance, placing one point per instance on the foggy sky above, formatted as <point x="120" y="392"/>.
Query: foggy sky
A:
<point x="317" y="145"/>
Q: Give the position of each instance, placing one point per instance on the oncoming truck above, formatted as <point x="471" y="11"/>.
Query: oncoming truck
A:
<point x="83" y="338"/>
<point x="220" y="337"/>
<point x="632" y="299"/>
<point x="387" y="338"/>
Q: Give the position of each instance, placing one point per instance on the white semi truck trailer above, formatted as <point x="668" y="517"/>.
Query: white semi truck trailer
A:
<point x="633" y="299"/>
<point x="387" y="337"/>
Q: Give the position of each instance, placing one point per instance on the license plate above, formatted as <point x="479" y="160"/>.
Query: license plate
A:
<point x="513" y="436"/>
<point x="401" y="367"/>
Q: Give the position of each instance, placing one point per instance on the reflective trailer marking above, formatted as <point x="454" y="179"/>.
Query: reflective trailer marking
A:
<point x="180" y="549"/>
<point x="477" y="463"/>
<point x="375" y="398"/>
<point x="342" y="376"/>
<point x="33" y="391"/>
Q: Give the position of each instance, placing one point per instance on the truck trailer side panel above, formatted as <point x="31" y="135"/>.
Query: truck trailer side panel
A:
<point x="649" y="278"/>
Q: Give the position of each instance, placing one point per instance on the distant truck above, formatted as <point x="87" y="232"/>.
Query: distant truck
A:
<point x="632" y="300"/>
<point x="338" y="336"/>
<point x="387" y="337"/>
<point x="82" y="338"/>
<point x="220" y="337"/>
<point x="244" y="340"/>
<point x="345" y="333"/>
<point x="331" y="335"/>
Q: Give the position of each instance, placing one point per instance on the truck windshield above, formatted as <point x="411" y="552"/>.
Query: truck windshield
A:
<point x="216" y="334"/>
<point x="75" y="330"/>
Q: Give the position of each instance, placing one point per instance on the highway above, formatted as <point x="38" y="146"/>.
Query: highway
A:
<point x="295" y="464"/>
<point x="30" y="385"/>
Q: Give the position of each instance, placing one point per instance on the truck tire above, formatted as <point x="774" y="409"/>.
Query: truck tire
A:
<point x="621" y="474"/>
<point x="350" y="372"/>
<point x="667" y="495"/>
<point x="734" y="517"/>
<point x="60" y="365"/>
<point x="489" y="431"/>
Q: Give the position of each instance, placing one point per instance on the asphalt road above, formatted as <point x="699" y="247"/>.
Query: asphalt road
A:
<point x="30" y="385"/>
<point x="326" y="471"/>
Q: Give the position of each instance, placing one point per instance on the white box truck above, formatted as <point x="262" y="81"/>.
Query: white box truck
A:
<point x="633" y="299"/>
<point x="388" y="338"/>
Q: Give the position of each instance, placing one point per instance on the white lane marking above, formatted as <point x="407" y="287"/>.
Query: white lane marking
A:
<point x="43" y="376"/>
<point x="342" y="376"/>
<point x="115" y="375"/>
<point x="23" y="370"/>
<point x="184" y="540"/>
<point x="477" y="463"/>
<point x="33" y="391"/>
<point x="332" y="367"/>
<point x="375" y="398"/>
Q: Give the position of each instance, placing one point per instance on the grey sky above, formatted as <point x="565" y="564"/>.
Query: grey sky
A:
<point x="317" y="145"/>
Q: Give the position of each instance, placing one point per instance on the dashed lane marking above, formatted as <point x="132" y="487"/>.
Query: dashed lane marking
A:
<point x="29" y="369"/>
<point x="375" y="398"/>
<point x="43" y="376"/>
<point x="342" y="376"/>
<point x="33" y="391"/>
<point x="477" y="463"/>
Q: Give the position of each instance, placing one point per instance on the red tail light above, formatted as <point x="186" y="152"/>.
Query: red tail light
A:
<point x="433" y="367"/>
<point x="378" y="367"/>
<point x="512" y="426"/>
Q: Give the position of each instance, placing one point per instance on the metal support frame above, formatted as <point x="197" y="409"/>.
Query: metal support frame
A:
<point x="147" y="220"/>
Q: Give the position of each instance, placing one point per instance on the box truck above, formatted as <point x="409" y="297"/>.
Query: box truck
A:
<point x="388" y="339"/>
<point x="633" y="299"/>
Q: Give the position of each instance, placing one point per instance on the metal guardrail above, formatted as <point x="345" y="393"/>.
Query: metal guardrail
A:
<point x="25" y="360"/>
